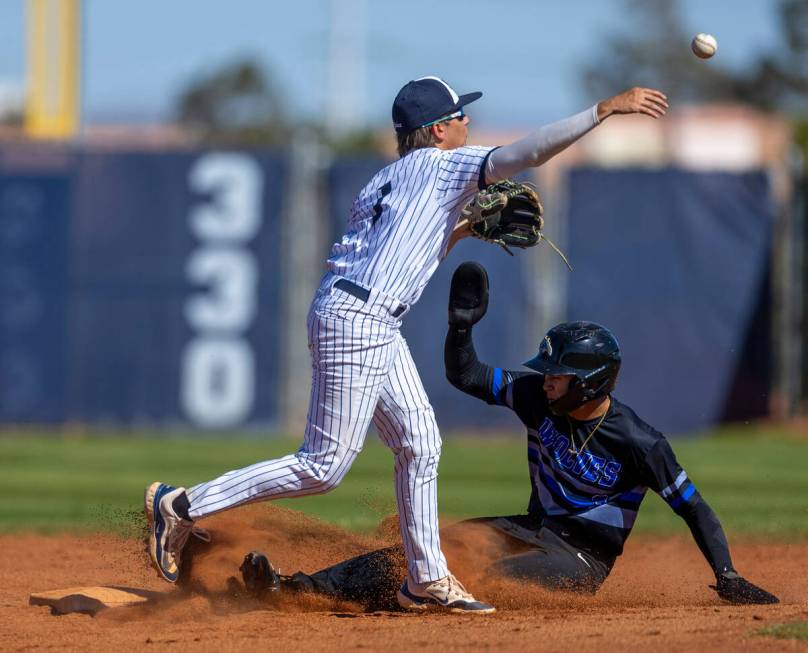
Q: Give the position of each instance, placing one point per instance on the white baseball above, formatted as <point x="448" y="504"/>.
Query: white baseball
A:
<point x="704" y="46"/>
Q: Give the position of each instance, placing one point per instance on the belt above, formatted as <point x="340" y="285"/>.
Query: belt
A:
<point x="363" y="294"/>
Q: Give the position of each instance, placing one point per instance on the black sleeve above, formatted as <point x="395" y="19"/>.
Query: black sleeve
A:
<point x="665" y="476"/>
<point x="520" y="391"/>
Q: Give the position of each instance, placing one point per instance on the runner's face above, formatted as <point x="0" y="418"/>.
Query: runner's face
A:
<point x="556" y="387"/>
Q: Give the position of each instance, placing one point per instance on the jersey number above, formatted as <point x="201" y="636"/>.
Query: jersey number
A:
<point x="377" y="207"/>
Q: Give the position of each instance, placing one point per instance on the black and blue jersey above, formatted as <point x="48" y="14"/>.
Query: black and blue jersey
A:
<point x="592" y="496"/>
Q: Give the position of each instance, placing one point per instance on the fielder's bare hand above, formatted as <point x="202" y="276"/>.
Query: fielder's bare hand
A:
<point x="636" y="100"/>
<point x="461" y="230"/>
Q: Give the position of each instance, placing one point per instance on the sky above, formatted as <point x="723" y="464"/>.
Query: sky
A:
<point x="524" y="55"/>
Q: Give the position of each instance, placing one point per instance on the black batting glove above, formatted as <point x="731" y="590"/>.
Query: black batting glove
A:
<point x="736" y="589"/>
<point x="258" y="574"/>
<point x="468" y="296"/>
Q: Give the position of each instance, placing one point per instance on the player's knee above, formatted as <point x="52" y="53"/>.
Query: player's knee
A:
<point x="330" y="480"/>
<point x="422" y="449"/>
<point x="324" y="476"/>
<point x="321" y="485"/>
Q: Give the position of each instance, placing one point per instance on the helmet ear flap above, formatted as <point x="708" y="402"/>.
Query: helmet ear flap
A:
<point x="579" y="391"/>
<point x="572" y="398"/>
<point x="604" y="380"/>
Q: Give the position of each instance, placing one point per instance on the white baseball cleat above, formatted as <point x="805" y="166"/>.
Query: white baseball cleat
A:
<point x="447" y="593"/>
<point x="168" y="532"/>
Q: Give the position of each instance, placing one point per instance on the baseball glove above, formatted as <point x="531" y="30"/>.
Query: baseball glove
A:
<point x="508" y="213"/>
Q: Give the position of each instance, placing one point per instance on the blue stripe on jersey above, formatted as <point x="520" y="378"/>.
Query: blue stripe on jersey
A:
<point x="677" y="483"/>
<point x="608" y="512"/>
<point x="585" y="465"/>
<point x="630" y="499"/>
<point x="633" y="497"/>
<point x="678" y="501"/>
<point x="497" y="385"/>
<point x="564" y="494"/>
<point x="561" y="493"/>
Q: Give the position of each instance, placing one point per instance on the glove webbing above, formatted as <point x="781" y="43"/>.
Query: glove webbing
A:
<point x="499" y="201"/>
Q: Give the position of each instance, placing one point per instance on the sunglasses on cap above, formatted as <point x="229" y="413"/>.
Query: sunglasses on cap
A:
<point x="459" y="115"/>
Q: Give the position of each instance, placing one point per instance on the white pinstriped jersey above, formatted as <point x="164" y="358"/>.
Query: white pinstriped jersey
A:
<point x="402" y="219"/>
<point x="362" y="368"/>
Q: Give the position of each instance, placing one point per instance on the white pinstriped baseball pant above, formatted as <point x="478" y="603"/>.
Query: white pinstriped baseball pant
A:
<point x="362" y="370"/>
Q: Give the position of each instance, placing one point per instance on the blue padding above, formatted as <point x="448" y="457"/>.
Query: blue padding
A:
<point x="673" y="262"/>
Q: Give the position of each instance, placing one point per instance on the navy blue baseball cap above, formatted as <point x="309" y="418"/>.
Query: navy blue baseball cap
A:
<point x="425" y="100"/>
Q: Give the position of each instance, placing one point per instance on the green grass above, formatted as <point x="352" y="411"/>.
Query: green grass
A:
<point x="756" y="481"/>
<point x="795" y="630"/>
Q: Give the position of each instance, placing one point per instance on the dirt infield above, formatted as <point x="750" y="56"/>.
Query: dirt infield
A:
<point x="656" y="598"/>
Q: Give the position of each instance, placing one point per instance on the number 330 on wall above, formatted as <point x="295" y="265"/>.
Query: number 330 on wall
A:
<point x="217" y="378"/>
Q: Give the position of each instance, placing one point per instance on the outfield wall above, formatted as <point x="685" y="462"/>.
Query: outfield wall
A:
<point x="150" y="289"/>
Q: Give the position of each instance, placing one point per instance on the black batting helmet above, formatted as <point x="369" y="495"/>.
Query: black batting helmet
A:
<point x="584" y="350"/>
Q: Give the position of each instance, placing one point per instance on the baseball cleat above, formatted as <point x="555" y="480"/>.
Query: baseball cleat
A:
<point x="447" y="594"/>
<point x="168" y="532"/>
<point x="258" y="574"/>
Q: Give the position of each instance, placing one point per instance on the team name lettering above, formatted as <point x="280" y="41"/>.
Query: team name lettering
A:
<point x="593" y="469"/>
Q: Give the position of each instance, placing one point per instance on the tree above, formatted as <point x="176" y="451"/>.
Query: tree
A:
<point x="237" y="104"/>
<point x="653" y="52"/>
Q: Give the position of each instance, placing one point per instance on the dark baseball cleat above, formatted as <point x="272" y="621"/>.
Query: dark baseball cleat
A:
<point x="444" y="594"/>
<point x="168" y="532"/>
<point x="258" y="574"/>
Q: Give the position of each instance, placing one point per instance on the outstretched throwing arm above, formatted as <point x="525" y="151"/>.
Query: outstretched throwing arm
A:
<point x="636" y="100"/>
<point x="543" y="144"/>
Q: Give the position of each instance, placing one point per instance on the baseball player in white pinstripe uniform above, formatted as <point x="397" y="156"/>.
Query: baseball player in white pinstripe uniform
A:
<point x="402" y="224"/>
